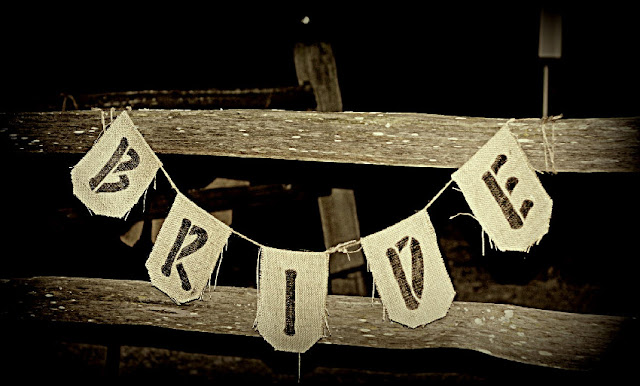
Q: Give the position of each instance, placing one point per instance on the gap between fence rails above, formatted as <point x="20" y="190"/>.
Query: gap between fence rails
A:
<point x="342" y="247"/>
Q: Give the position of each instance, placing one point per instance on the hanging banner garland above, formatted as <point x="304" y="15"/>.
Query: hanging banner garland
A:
<point x="498" y="183"/>
<point x="116" y="171"/>
<point x="505" y="194"/>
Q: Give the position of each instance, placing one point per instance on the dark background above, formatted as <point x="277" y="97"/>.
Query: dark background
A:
<point x="474" y="60"/>
<point x="461" y="59"/>
<point x="471" y="59"/>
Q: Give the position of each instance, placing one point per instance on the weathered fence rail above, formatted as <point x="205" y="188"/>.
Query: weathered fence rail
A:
<point x="538" y="337"/>
<point x="401" y="139"/>
<point x="532" y="337"/>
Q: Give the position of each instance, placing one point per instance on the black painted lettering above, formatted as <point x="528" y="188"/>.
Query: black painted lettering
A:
<point x="503" y="201"/>
<point x="180" y="252"/>
<point x="526" y="207"/>
<point x="182" y="233"/>
<point x="514" y="220"/>
<point x="184" y="279"/>
<point x="123" y="183"/>
<point x="134" y="161"/>
<point x="417" y="268"/>
<point x="113" y="161"/>
<point x="511" y="184"/>
<point x="201" y="239"/>
<point x="290" y="302"/>
<point x="411" y="299"/>
<point x="497" y="164"/>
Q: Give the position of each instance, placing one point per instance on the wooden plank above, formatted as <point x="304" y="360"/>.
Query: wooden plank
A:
<point x="536" y="337"/>
<point x="340" y="224"/>
<point x="406" y="139"/>
<point x="213" y="200"/>
<point x="293" y="97"/>
<point x="316" y="65"/>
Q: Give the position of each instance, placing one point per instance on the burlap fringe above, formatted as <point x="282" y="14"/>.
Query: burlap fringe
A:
<point x="483" y="233"/>
<point x="217" y="270"/>
<point x="255" y="322"/>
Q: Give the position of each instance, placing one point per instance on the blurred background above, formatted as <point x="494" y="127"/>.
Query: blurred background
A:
<point x="468" y="60"/>
<point x="476" y="60"/>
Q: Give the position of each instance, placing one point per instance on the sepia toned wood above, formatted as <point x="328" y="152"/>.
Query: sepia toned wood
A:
<point x="525" y="335"/>
<point x="340" y="224"/>
<point x="293" y="97"/>
<point x="212" y="200"/>
<point x="316" y="65"/>
<point x="397" y="139"/>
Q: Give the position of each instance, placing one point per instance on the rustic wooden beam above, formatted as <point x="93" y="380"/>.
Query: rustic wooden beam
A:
<point x="402" y="139"/>
<point x="339" y="217"/>
<point x="525" y="335"/>
<point x="213" y="200"/>
<point x="316" y="65"/>
<point x="300" y="97"/>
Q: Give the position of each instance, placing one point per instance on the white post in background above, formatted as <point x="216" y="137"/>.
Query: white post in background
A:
<point x="550" y="47"/>
<point x="545" y="91"/>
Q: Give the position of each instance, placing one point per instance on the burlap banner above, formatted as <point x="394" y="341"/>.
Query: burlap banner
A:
<point x="409" y="272"/>
<point x="501" y="188"/>
<point x="113" y="175"/>
<point x="505" y="194"/>
<point x="292" y="292"/>
<point x="186" y="251"/>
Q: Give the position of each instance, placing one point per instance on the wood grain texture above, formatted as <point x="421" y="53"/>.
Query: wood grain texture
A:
<point x="537" y="337"/>
<point x="403" y="139"/>
<point x="293" y="97"/>
<point x="316" y="65"/>
<point x="340" y="224"/>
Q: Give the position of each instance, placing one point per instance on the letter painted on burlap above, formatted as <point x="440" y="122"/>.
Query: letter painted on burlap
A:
<point x="292" y="296"/>
<point x="505" y="194"/>
<point x="116" y="171"/>
<point x="186" y="251"/>
<point x="409" y="272"/>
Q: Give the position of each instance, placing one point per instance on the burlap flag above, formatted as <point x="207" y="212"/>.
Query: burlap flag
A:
<point x="116" y="171"/>
<point x="292" y="294"/>
<point x="505" y="194"/>
<point x="186" y="251"/>
<point x="409" y="272"/>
